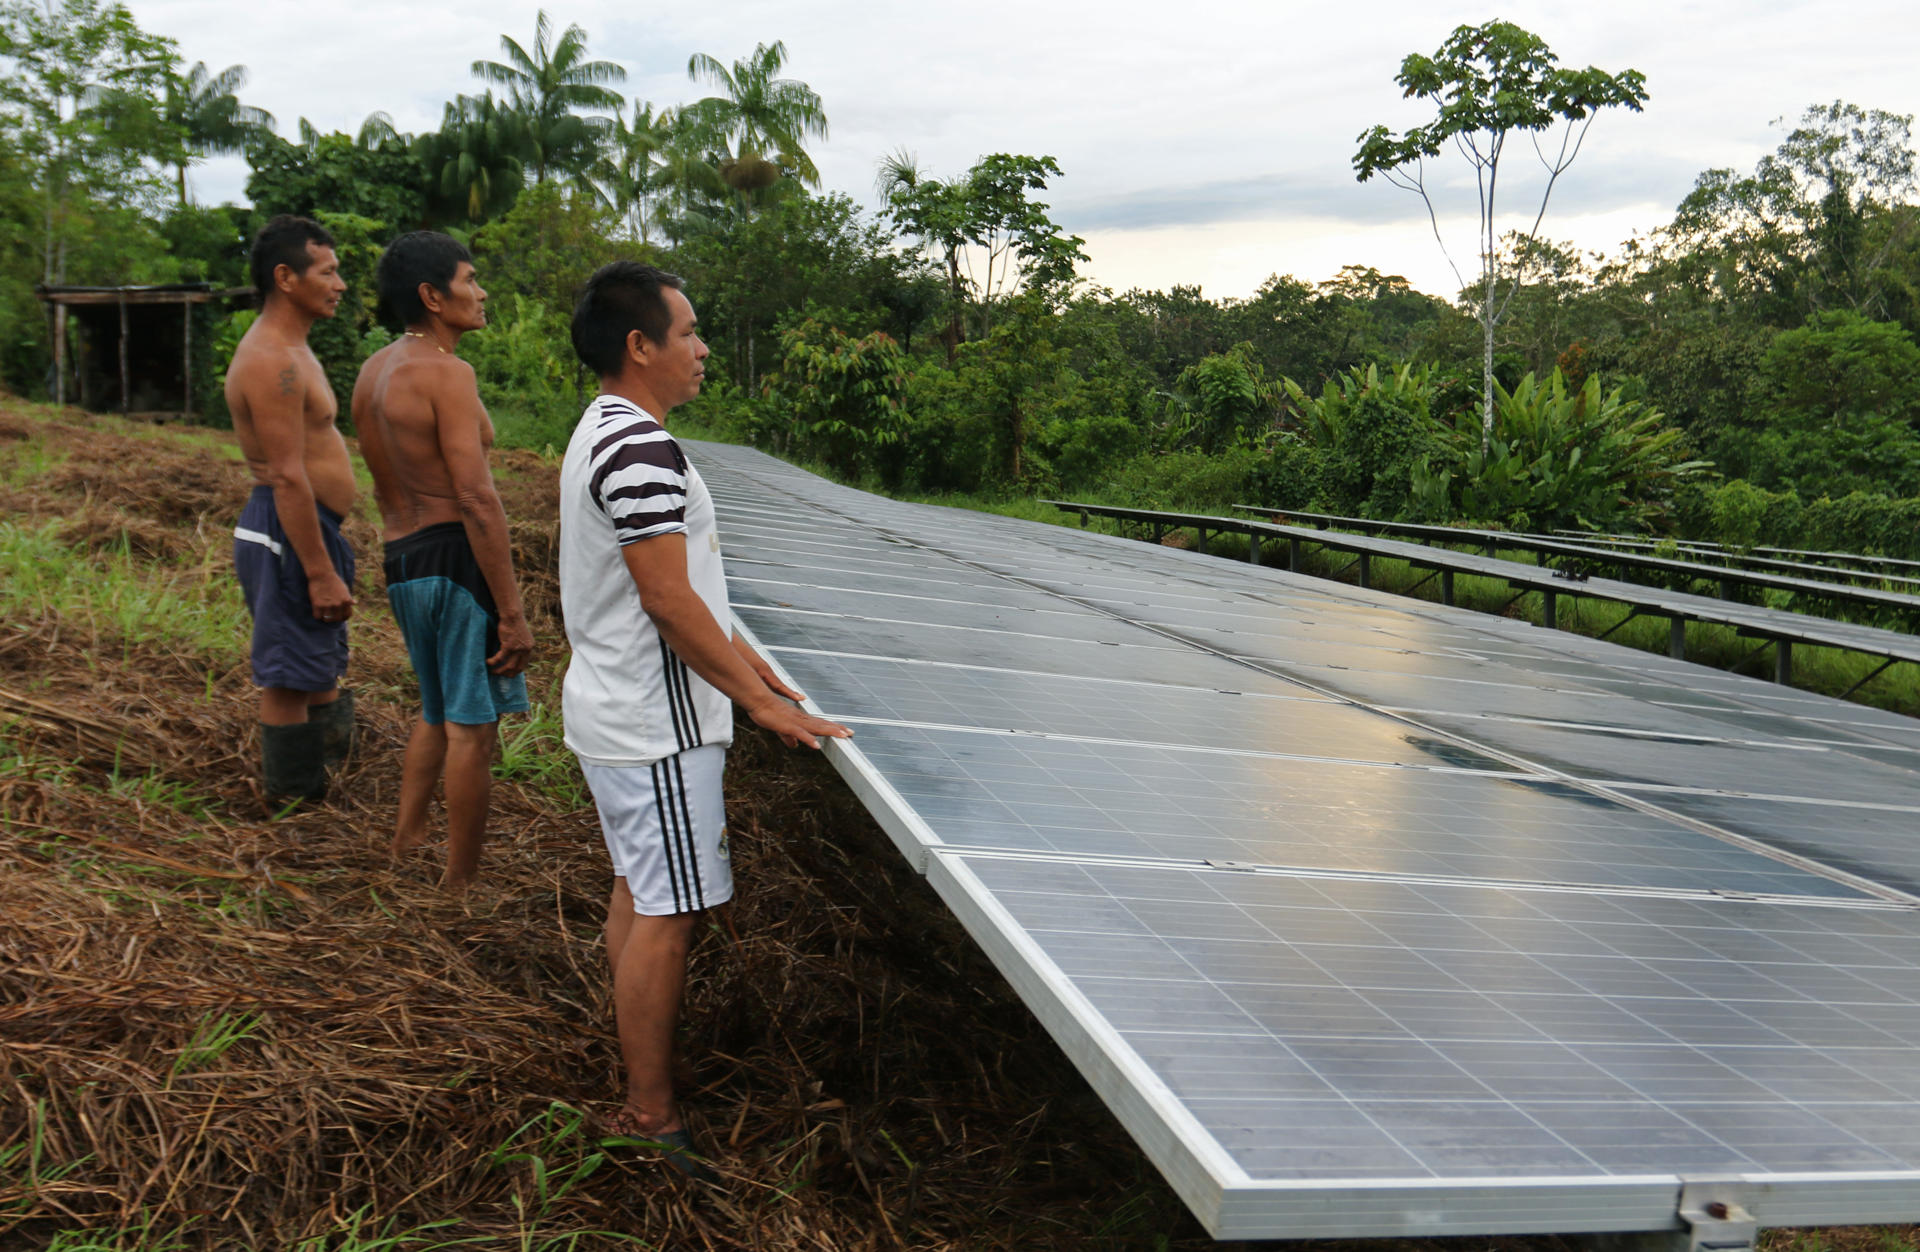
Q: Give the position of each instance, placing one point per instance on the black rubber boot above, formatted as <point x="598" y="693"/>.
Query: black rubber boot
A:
<point x="337" y="719"/>
<point x="295" y="762"/>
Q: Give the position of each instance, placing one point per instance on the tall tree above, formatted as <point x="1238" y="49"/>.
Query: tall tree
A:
<point x="1818" y="224"/>
<point x="760" y="122"/>
<point x="207" y="112"/>
<point x="333" y="173"/>
<point x="987" y="224"/>
<point x="1489" y="82"/>
<point x="82" y="86"/>
<point x="635" y="169"/>
<point x="549" y="87"/>
<point x="474" y="163"/>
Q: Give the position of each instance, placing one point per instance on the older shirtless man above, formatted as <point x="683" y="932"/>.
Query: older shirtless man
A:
<point x="425" y="436"/>
<point x="294" y="566"/>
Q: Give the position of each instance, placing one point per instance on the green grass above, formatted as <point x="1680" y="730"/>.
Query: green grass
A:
<point x="118" y="593"/>
<point x="213" y="1038"/>
<point x="156" y="790"/>
<point x="534" y="754"/>
<point x="30" y="461"/>
<point x="550" y="1155"/>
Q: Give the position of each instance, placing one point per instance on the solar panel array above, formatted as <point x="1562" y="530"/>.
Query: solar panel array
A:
<point x="1366" y="916"/>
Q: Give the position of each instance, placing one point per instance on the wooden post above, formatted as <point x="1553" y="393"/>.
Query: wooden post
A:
<point x="59" y="353"/>
<point x="126" y="377"/>
<point x="186" y="367"/>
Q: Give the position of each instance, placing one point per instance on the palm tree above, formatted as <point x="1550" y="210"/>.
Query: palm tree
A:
<point x="760" y="121"/>
<point x="548" y="87"/>
<point x="210" y="117"/>
<point x="474" y="162"/>
<point x="635" y="169"/>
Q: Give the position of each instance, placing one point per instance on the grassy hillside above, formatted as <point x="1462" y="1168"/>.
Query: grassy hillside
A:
<point x="220" y="1031"/>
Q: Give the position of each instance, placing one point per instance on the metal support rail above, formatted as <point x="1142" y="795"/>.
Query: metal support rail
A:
<point x="1710" y="548"/>
<point x="1723" y="558"/>
<point x="1778" y="627"/>
<point x="1492" y="540"/>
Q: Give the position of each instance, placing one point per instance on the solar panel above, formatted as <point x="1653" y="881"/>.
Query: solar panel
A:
<point x="1368" y="916"/>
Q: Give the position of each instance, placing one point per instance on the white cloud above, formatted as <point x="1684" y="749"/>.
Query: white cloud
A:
<point x="1208" y="143"/>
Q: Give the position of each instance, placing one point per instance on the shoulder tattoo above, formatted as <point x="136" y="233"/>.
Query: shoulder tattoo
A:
<point x="289" y="381"/>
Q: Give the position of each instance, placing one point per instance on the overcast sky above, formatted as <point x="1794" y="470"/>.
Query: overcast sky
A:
<point x="1208" y="142"/>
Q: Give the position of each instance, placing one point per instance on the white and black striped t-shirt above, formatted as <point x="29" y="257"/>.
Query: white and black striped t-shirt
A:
<point x="628" y="700"/>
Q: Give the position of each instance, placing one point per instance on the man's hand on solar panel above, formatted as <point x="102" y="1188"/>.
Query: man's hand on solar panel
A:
<point x="795" y="725"/>
<point x="658" y="567"/>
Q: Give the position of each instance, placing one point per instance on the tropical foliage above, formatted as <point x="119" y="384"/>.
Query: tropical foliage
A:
<point x="1749" y="370"/>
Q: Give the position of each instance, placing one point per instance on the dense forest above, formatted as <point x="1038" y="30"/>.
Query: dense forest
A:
<point x="1747" y="372"/>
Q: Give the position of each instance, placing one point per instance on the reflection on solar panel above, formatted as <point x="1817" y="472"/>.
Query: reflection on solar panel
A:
<point x="1367" y="916"/>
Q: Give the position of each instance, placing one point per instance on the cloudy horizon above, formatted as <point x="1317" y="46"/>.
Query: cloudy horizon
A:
<point x="1214" y="152"/>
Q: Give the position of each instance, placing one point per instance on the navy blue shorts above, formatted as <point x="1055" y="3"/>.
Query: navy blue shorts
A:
<point x="292" y="649"/>
<point x="447" y="616"/>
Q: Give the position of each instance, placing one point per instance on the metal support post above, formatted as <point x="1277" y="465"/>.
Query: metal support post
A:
<point x="59" y="353"/>
<point x="1783" y="663"/>
<point x="1366" y="569"/>
<point x="1677" y="638"/>
<point x="1253" y="547"/>
<point x="126" y="376"/>
<point x="1159" y="532"/>
<point x="1293" y="554"/>
<point x="1446" y="586"/>
<point x="1726" y="588"/>
<point x="1202" y="532"/>
<point x="1550" y="610"/>
<point x="186" y="365"/>
<point x="1715" y="1219"/>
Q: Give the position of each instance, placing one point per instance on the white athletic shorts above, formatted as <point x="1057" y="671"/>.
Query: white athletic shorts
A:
<point x="666" y="829"/>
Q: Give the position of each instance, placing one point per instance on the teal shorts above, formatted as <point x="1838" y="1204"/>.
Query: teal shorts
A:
<point x="448" y="619"/>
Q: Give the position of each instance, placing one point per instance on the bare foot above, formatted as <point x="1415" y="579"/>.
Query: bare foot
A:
<point x="406" y="841"/>
<point x="636" y="1124"/>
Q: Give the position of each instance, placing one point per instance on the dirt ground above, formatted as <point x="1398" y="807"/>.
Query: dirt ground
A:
<point x="218" y="1030"/>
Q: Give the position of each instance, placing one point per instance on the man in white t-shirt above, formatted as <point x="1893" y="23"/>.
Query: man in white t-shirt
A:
<point x="655" y="670"/>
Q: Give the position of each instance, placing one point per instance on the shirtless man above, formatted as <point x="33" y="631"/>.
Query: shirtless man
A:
<point x="425" y="436"/>
<point x="296" y="570"/>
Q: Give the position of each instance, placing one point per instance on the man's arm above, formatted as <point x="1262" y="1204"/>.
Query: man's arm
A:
<point x="276" y="399"/>
<point x="458" y="417"/>
<point x="659" y="569"/>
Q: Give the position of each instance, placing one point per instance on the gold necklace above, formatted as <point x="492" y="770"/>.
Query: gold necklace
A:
<point x="414" y="334"/>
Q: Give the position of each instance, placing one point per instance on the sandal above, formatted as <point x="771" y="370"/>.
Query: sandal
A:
<point x="675" y="1146"/>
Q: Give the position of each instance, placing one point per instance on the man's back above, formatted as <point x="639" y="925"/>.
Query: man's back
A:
<point x="407" y="394"/>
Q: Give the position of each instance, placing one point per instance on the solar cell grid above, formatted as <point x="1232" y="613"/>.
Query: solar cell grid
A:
<point x="1107" y="799"/>
<point x="1464" y="996"/>
<point x="1397" y="1001"/>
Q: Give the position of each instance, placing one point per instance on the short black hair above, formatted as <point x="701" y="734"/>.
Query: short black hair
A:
<point x="283" y="241"/>
<point x="620" y="298"/>
<point x="421" y="256"/>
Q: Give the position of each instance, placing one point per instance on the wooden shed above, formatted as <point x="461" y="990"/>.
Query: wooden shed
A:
<point x="130" y="349"/>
